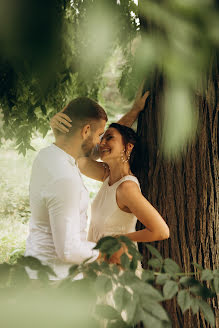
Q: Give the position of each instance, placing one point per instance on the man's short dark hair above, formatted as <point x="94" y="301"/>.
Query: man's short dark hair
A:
<point x="83" y="111"/>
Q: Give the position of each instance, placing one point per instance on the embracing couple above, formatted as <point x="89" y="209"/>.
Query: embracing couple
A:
<point x="59" y="199"/>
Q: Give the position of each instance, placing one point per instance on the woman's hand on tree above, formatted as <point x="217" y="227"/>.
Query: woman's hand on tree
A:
<point x="139" y="103"/>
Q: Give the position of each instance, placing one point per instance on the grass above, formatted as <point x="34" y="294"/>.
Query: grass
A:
<point x="14" y="202"/>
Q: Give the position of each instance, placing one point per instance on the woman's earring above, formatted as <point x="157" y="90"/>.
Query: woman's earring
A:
<point x="125" y="160"/>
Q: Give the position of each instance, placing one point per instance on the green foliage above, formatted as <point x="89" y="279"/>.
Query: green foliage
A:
<point x="14" y="205"/>
<point x="46" y="62"/>
<point x="178" y="41"/>
<point x="60" y="58"/>
<point x="116" y="297"/>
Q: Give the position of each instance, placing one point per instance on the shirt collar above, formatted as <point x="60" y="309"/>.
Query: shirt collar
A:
<point x="70" y="158"/>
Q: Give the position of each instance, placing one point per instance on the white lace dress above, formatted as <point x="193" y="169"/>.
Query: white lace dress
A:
<point x="106" y="216"/>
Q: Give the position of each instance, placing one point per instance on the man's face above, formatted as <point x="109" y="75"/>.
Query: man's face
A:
<point x="94" y="138"/>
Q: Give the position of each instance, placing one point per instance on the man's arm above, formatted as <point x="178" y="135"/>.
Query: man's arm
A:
<point x="64" y="214"/>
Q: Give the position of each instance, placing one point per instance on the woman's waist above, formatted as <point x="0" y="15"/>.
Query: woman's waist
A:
<point x="100" y="232"/>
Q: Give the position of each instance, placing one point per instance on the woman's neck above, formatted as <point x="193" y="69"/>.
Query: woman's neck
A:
<point x="117" y="171"/>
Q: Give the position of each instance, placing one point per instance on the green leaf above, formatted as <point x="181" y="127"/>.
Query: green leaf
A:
<point x="162" y="278"/>
<point x="147" y="276"/>
<point x="48" y="270"/>
<point x="43" y="276"/>
<point x="216" y="284"/>
<point x="198" y="266"/>
<point x="115" y="269"/>
<point x="128" y="278"/>
<point x="108" y="245"/>
<point x="103" y="285"/>
<point x="188" y="281"/>
<point x="194" y="303"/>
<point x="30" y="261"/>
<point x="34" y="264"/>
<point x="43" y="109"/>
<point x="89" y="273"/>
<point x="150" y="321"/>
<point x="134" y="263"/>
<point x="105" y="268"/>
<point x="94" y="266"/>
<point x="73" y="269"/>
<point x="184" y="300"/>
<point x="154" y="251"/>
<point x="207" y="311"/>
<point x="121" y="297"/>
<point x="103" y="240"/>
<point x="171" y="267"/>
<point x="207" y="275"/>
<point x="125" y="240"/>
<point x="107" y="312"/>
<point x="155" y="309"/>
<point x="200" y="290"/>
<point x="131" y="308"/>
<point x="155" y="263"/>
<point x="125" y="261"/>
<point x="118" y="298"/>
<point x="170" y="289"/>
<point x="86" y="260"/>
<point x="31" y="148"/>
<point x="147" y="291"/>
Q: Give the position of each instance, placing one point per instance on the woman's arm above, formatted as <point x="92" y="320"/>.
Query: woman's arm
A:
<point x="129" y="195"/>
<point x="139" y="103"/>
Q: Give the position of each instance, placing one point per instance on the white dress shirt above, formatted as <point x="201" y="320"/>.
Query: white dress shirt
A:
<point x="59" y="203"/>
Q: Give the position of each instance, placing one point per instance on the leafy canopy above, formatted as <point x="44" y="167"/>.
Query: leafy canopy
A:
<point x="52" y="51"/>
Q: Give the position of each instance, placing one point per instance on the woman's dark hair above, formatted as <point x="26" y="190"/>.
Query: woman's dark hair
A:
<point x="130" y="136"/>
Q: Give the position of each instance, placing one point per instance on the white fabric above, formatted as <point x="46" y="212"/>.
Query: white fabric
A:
<point x="58" y="202"/>
<point x="106" y="217"/>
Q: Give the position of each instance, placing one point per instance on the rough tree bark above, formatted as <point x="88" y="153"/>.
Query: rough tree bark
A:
<point x="185" y="191"/>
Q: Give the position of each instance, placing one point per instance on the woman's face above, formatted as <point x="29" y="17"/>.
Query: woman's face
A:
<point x="111" y="145"/>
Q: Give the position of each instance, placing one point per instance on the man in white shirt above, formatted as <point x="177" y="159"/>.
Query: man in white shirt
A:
<point x="58" y="197"/>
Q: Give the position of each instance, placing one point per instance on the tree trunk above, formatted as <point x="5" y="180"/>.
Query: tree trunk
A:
<point x="184" y="191"/>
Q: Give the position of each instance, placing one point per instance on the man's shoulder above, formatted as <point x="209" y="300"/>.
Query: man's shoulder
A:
<point x="54" y="164"/>
<point x="44" y="153"/>
<point x="47" y="151"/>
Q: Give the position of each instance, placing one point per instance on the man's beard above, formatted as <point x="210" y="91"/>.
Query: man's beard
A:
<point x="87" y="146"/>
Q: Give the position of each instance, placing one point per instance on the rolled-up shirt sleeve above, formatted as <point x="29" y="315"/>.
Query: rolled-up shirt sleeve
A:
<point x="63" y="202"/>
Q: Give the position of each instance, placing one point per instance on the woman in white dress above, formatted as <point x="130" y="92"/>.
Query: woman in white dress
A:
<point x="119" y="202"/>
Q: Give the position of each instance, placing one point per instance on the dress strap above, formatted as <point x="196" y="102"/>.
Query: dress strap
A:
<point x="129" y="178"/>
